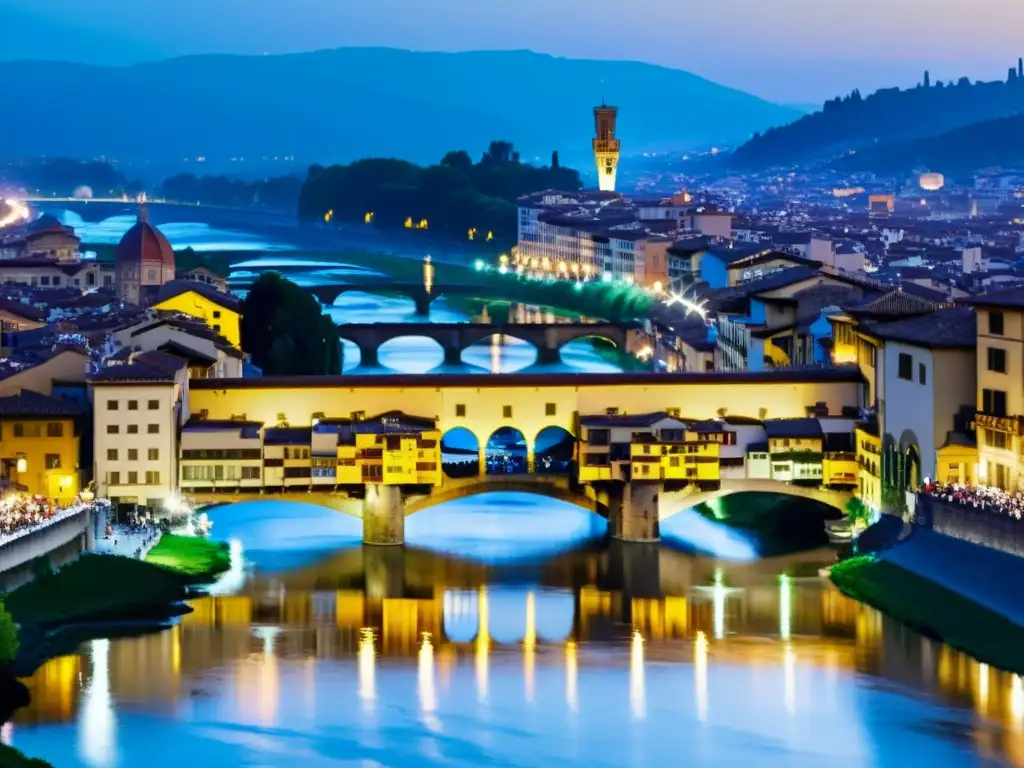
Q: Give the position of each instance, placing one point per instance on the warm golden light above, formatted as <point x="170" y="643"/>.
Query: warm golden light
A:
<point x="368" y="218"/>
<point x="637" y="694"/>
<point x="571" y="675"/>
<point x="22" y="465"/>
<point x="427" y="691"/>
<point x="700" y="675"/>
<point x="16" y="211"/>
<point x="530" y="645"/>
<point x="483" y="644"/>
<point x="785" y="606"/>
<point x="367" y="666"/>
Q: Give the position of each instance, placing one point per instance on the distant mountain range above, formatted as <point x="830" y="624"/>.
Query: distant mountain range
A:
<point x="344" y="104"/>
<point x="855" y="123"/>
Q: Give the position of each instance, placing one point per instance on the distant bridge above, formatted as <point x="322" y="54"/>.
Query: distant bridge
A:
<point x="420" y="296"/>
<point x="674" y="502"/>
<point x="548" y="338"/>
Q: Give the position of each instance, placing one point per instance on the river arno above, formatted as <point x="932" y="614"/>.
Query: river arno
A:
<point x="509" y="633"/>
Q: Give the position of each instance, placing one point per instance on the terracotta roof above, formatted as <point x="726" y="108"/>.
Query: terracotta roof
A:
<point x="172" y="363"/>
<point x="793" y="428"/>
<point x="897" y="302"/>
<point x="145" y="243"/>
<point x="1009" y="297"/>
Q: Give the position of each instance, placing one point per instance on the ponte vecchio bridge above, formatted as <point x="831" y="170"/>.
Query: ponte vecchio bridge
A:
<point x="308" y="439"/>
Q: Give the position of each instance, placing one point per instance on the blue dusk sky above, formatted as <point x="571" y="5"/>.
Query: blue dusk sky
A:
<point x="789" y="51"/>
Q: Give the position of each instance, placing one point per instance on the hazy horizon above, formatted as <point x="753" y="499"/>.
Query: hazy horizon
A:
<point x="789" y="51"/>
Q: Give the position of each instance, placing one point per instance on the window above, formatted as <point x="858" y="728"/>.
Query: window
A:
<point x="153" y="454"/>
<point x="153" y="429"/>
<point x="250" y="473"/>
<point x="906" y="367"/>
<point x="52" y="460"/>
<point x="133" y="405"/>
<point x="153" y="405"/>
<point x="997" y="360"/>
<point x="460" y="410"/>
<point x="216" y="314"/>
<point x="922" y="373"/>
<point x="133" y="454"/>
<point x="111" y="454"/>
<point x="113" y="429"/>
<point x="111" y="405"/>
<point x="550" y="409"/>
<point x="995" y="439"/>
<point x="993" y="401"/>
<point x="995" y="323"/>
<point x="55" y="429"/>
<point x="133" y="478"/>
<point x="114" y="478"/>
<point x="506" y="411"/>
<point x="151" y="274"/>
<point x="133" y="429"/>
<point x="152" y="478"/>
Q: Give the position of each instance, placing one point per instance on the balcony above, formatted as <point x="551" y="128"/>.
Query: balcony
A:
<point x="1012" y="425"/>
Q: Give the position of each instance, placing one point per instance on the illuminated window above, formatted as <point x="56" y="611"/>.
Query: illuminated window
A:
<point x="52" y="461"/>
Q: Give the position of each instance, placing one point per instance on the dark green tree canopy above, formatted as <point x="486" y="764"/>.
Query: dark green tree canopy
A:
<point x="453" y="196"/>
<point x="285" y="331"/>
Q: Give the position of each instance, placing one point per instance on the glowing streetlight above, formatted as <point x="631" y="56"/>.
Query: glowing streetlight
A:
<point x="368" y="218"/>
<point x="328" y="216"/>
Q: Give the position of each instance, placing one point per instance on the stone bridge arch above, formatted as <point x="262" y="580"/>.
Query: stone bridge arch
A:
<point x="552" y="487"/>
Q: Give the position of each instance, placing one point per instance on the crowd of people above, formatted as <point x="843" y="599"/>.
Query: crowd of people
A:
<point x="983" y="497"/>
<point x="19" y="512"/>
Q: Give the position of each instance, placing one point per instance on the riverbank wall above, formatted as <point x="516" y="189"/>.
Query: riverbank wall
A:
<point x="977" y="526"/>
<point x="60" y="542"/>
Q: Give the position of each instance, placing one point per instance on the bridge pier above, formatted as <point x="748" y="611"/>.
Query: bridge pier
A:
<point x="633" y="511"/>
<point x="452" y="356"/>
<point x="548" y="355"/>
<point x="384" y="572"/>
<point x="422" y="301"/>
<point x="369" y="355"/>
<point x="383" y="515"/>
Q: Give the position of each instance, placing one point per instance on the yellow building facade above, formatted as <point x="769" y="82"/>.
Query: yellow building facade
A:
<point x="869" y="467"/>
<point x="693" y="460"/>
<point x="39" y="445"/>
<point x="219" y="311"/>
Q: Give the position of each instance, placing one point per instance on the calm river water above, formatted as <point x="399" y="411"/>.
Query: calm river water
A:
<point x="510" y="633"/>
<point x="262" y="247"/>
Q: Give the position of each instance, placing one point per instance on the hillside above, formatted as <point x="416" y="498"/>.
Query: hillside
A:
<point x="889" y="115"/>
<point x="344" y="104"/>
<point x="958" y="152"/>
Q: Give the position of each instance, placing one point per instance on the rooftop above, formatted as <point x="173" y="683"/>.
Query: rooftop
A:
<point x="31" y="404"/>
<point x="955" y="327"/>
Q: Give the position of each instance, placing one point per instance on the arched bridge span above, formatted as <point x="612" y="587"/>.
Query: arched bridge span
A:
<point x="547" y="338"/>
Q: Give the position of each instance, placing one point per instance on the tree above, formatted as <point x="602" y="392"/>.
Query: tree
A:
<point x="1020" y="68"/>
<point x="927" y="79"/>
<point x="457" y="158"/>
<point x="285" y="331"/>
<point x="8" y="636"/>
<point x="554" y="160"/>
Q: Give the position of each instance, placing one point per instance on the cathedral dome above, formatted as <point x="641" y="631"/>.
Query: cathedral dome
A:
<point x="145" y="244"/>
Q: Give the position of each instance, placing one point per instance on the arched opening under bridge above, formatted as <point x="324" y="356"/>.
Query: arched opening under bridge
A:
<point x="411" y="354"/>
<point x="460" y="453"/>
<point x="500" y="353"/>
<point x="507" y="453"/>
<point x="554" y="450"/>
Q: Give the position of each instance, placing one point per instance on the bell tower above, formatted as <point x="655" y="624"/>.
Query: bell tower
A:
<point x="606" y="146"/>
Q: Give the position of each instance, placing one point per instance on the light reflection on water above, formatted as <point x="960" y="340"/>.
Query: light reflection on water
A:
<point x="612" y="656"/>
<point x="195" y="235"/>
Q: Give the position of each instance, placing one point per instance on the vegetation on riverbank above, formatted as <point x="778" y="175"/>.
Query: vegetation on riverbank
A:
<point x="286" y="332"/>
<point x="452" y="198"/>
<point x="98" y="588"/>
<point x="932" y="610"/>
<point x="199" y="558"/>
<point x="12" y="758"/>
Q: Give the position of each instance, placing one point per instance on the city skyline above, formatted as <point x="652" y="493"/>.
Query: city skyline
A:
<point x="798" y="59"/>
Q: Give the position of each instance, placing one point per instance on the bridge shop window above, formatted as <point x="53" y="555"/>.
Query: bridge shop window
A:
<point x="460" y="410"/>
<point x="550" y="409"/>
<point x="506" y="411"/>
